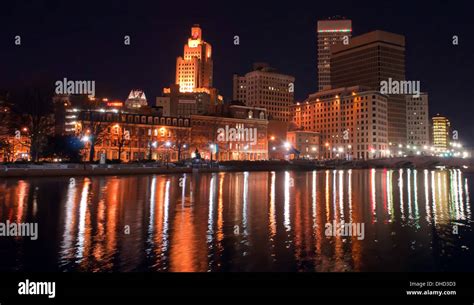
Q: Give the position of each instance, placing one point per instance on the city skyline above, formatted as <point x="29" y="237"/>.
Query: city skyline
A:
<point x="153" y="78"/>
<point x="150" y="149"/>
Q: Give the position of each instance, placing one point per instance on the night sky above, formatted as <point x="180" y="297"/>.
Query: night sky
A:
<point x="83" y="40"/>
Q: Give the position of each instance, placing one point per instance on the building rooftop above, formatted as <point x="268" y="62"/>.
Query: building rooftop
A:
<point x="376" y="36"/>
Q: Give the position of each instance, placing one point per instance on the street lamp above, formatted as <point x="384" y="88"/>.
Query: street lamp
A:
<point x="212" y="148"/>
<point x="328" y="148"/>
<point x="167" y="145"/>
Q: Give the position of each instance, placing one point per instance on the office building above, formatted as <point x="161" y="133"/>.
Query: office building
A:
<point x="192" y="92"/>
<point x="330" y="32"/>
<point x="352" y="122"/>
<point x="418" y="124"/>
<point x="195" y="68"/>
<point x="303" y="144"/>
<point x="368" y="60"/>
<point x="266" y="88"/>
<point x="441" y="130"/>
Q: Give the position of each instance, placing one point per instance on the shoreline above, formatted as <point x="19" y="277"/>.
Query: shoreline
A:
<point x="51" y="170"/>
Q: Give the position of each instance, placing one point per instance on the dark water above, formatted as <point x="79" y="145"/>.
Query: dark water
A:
<point x="247" y="221"/>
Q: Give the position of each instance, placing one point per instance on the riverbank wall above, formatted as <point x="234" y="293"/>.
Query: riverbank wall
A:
<point x="52" y="169"/>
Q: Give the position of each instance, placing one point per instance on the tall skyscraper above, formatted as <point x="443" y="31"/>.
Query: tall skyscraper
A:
<point x="418" y="129"/>
<point x="330" y="32"/>
<point x="441" y="129"/>
<point x="265" y="87"/>
<point x="369" y="59"/>
<point x="192" y="92"/>
<point x="194" y="69"/>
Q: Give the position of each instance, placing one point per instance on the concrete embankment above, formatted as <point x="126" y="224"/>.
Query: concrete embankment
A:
<point x="33" y="170"/>
<point x="39" y="171"/>
<point x="95" y="170"/>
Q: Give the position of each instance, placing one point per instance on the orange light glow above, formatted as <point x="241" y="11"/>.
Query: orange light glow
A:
<point x="115" y="104"/>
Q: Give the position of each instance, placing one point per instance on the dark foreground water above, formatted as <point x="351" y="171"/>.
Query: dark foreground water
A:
<point x="248" y="221"/>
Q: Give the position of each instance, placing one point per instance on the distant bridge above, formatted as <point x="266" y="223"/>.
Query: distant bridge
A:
<point x="423" y="162"/>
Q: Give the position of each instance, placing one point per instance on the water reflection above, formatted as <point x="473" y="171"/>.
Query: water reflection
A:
<point x="249" y="221"/>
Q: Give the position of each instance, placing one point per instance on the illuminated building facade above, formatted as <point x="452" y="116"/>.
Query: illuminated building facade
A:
<point x="307" y="143"/>
<point x="176" y="103"/>
<point x="276" y="134"/>
<point x="194" y="68"/>
<point x="352" y="122"/>
<point x="265" y="87"/>
<point x="239" y="134"/>
<point x="136" y="99"/>
<point x="15" y="142"/>
<point x="68" y="107"/>
<point x="132" y="135"/>
<point x="192" y="92"/>
<point x="330" y="32"/>
<point x="441" y="130"/>
<point x="418" y="129"/>
<point x="369" y="59"/>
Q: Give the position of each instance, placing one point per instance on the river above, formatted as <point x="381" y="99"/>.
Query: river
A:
<point x="411" y="220"/>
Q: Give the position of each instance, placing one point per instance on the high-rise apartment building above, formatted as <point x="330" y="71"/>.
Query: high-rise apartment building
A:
<point x="369" y="59"/>
<point x="441" y="129"/>
<point x="418" y="129"/>
<point x="330" y="32"/>
<point x="265" y="87"/>
<point x="352" y="122"/>
<point x="194" y="68"/>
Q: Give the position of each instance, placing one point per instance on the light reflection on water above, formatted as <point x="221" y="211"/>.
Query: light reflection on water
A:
<point x="245" y="221"/>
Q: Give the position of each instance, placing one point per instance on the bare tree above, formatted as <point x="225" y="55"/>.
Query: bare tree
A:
<point x="34" y="109"/>
<point x="182" y="136"/>
<point x="122" y="139"/>
<point x="7" y="149"/>
<point x="94" y="128"/>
